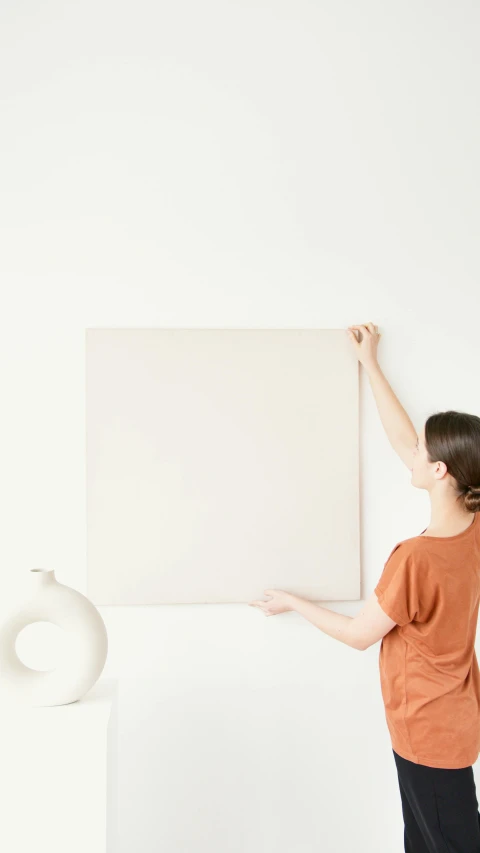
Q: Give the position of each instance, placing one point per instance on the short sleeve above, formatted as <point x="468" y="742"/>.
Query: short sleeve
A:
<point x="397" y="590"/>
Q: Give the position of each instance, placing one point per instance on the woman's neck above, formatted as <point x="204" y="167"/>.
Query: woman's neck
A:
<point x="448" y="519"/>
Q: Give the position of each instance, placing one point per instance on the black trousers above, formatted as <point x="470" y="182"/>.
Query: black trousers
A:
<point x="440" y="808"/>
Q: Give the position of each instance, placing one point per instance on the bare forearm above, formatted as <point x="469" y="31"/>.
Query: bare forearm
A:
<point x="336" y="625"/>
<point x="393" y="416"/>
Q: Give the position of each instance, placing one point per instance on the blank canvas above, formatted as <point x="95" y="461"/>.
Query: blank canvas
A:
<point x="221" y="462"/>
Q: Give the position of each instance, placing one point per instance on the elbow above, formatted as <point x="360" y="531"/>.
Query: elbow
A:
<point x="357" y="635"/>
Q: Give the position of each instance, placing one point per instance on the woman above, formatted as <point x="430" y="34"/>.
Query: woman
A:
<point x="424" y="609"/>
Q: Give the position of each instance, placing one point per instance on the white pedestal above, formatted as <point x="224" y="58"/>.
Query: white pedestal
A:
<point x="58" y="775"/>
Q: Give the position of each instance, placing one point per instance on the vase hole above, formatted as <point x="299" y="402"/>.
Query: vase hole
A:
<point x="42" y="646"/>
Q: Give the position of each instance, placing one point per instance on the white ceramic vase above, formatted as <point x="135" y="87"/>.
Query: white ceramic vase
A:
<point x="51" y="601"/>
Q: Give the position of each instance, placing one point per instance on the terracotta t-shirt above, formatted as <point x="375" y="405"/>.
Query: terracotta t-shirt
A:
<point x="429" y="673"/>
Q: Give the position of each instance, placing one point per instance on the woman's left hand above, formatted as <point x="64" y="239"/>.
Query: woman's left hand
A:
<point x="278" y="603"/>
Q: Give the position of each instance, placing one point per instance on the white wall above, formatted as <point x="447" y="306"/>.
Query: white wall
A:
<point x="251" y="165"/>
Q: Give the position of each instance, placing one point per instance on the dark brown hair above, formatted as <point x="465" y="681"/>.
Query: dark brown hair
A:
<point x="454" y="438"/>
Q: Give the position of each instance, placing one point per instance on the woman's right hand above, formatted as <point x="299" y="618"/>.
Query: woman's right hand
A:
<point x="366" y="346"/>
